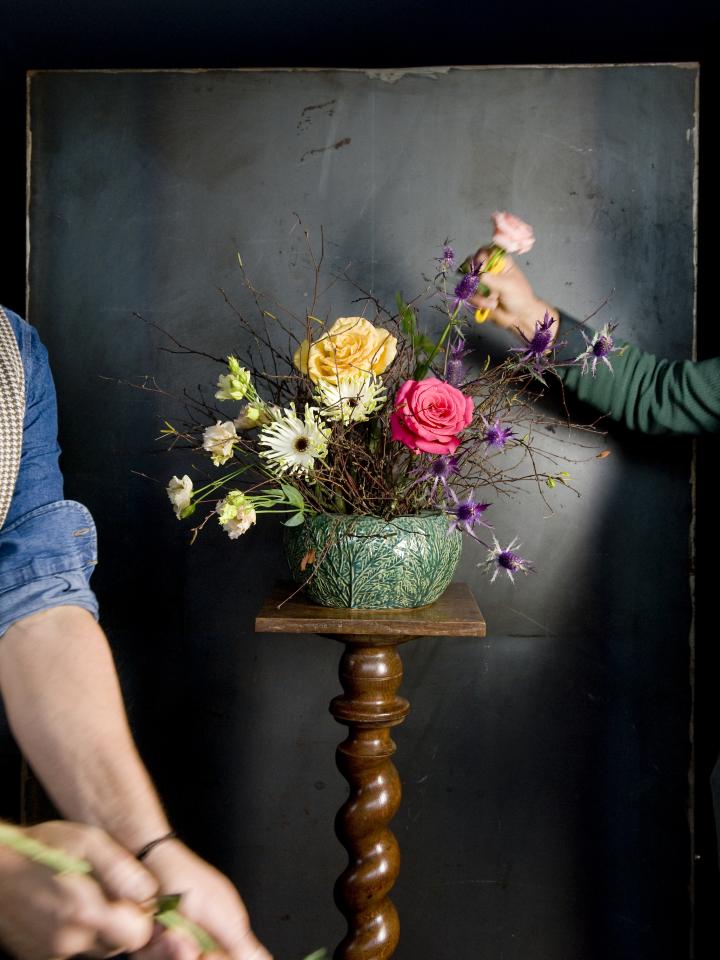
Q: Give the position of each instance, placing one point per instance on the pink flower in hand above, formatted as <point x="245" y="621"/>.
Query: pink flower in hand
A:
<point x="429" y="414"/>
<point x="512" y="233"/>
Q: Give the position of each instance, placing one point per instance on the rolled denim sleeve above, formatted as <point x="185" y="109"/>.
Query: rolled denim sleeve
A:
<point x="48" y="545"/>
<point x="46" y="560"/>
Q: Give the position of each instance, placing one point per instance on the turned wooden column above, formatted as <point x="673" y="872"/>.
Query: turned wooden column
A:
<point x="370" y="675"/>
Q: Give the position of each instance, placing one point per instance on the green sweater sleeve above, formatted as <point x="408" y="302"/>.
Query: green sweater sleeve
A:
<point x="643" y="392"/>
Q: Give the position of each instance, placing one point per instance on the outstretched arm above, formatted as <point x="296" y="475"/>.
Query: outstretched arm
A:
<point x="646" y="393"/>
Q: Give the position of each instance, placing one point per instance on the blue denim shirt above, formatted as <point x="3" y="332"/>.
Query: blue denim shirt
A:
<point x="48" y="545"/>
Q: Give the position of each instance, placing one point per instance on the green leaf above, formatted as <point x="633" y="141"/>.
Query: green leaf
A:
<point x="295" y="520"/>
<point x="408" y="320"/>
<point x="292" y="495"/>
<point x="550" y="482"/>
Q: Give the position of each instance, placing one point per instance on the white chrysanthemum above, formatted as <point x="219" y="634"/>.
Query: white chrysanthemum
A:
<point x="236" y="514"/>
<point x="294" y="444"/>
<point x="219" y="441"/>
<point x="351" y="400"/>
<point x="180" y="492"/>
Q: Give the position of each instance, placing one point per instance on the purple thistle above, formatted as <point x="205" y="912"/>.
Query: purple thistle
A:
<point x="466" y="513"/>
<point x="536" y="351"/>
<point x="598" y="349"/>
<point x="466" y="288"/>
<point x="455" y="373"/>
<point x="440" y="470"/>
<point x="496" y="435"/>
<point x="447" y="261"/>
<point x="506" y="559"/>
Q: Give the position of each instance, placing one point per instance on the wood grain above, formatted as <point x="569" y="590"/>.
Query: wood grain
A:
<point x="455" y="614"/>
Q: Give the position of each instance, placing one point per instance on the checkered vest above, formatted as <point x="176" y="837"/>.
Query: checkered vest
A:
<point x="12" y="412"/>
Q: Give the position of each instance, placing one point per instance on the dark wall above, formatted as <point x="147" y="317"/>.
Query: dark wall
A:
<point x="183" y="728"/>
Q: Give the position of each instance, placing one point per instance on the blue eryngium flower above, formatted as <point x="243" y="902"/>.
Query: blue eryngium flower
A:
<point x="598" y="349"/>
<point x="455" y="373"/>
<point x="496" y="435"/>
<point x="466" y="288"/>
<point x="447" y="260"/>
<point x="439" y="470"/>
<point x="504" y="558"/>
<point x="466" y="513"/>
<point x="537" y="350"/>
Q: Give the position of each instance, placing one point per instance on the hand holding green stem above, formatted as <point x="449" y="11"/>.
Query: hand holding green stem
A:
<point x="165" y="908"/>
<point x="496" y="255"/>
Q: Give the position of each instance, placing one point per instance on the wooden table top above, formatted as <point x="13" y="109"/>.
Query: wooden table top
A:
<point x="455" y="614"/>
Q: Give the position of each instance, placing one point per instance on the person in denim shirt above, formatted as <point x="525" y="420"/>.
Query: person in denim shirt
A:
<point x="48" y="546"/>
<point x="63" y="702"/>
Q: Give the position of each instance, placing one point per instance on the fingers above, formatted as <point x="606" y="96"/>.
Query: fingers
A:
<point x="485" y="303"/>
<point x="499" y="283"/>
<point x="172" y="945"/>
<point x="121" y="876"/>
<point x="118" y="872"/>
<point x="482" y="255"/>
<point x="86" y="923"/>
<point x="119" y="928"/>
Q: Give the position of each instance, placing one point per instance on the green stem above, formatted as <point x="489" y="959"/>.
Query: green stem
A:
<point x="422" y="368"/>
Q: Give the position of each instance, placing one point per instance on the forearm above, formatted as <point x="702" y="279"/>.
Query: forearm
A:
<point x="644" y="392"/>
<point x="65" y="708"/>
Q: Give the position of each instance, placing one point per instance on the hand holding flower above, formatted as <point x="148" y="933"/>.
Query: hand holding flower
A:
<point x="512" y="302"/>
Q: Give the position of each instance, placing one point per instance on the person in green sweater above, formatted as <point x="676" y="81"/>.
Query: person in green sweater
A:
<point x="644" y="392"/>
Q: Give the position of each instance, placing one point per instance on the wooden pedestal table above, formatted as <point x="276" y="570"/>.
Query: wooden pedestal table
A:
<point x="370" y="674"/>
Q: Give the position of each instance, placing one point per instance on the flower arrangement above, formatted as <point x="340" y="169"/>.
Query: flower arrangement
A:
<point x="371" y="415"/>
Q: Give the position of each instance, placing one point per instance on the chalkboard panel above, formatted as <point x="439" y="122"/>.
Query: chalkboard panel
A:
<point x="546" y="767"/>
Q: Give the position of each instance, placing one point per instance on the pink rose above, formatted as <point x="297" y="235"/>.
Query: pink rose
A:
<point x="512" y="233"/>
<point x="429" y="414"/>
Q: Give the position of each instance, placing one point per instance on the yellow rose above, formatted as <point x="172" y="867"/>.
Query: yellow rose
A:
<point x="352" y="345"/>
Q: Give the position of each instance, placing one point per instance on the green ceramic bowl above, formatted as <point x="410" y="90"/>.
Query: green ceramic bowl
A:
<point x="368" y="563"/>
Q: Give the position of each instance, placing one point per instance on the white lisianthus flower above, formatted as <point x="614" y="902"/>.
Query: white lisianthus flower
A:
<point x="352" y="399"/>
<point x="294" y="444"/>
<point x="180" y="492"/>
<point x="236" y="514"/>
<point x="219" y="441"/>
<point x="236" y="384"/>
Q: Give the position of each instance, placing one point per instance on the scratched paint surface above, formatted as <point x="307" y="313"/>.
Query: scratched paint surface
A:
<point x="541" y="765"/>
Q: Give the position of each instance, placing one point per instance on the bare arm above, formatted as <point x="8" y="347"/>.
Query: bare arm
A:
<point x="66" y="712"/>
<point x="65" y="708"/>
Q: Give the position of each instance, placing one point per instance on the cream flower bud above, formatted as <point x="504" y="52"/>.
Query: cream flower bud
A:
<point x="180" y="493"/>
